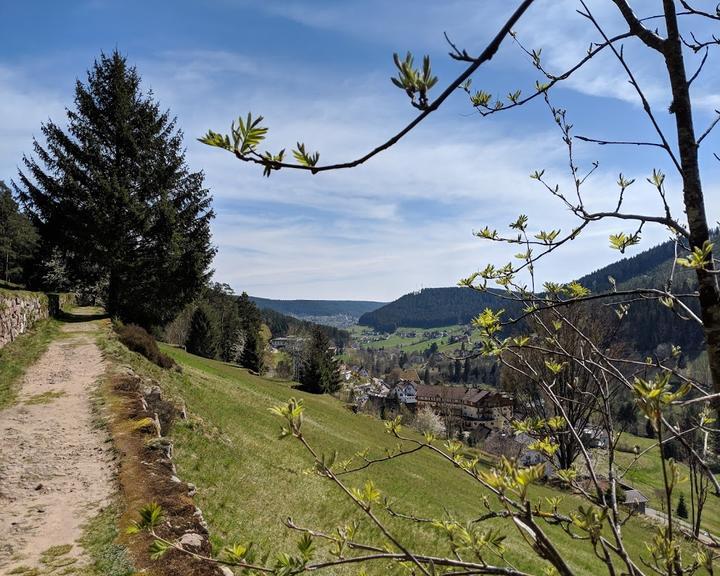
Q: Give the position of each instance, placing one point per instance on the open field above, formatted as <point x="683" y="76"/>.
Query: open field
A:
<point x="418" y="343"/>
<point x="645" y="474"/>
<point x="249" y="480"/>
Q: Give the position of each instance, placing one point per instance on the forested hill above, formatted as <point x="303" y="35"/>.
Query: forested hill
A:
<point x="430" y="308"/>
<point x="646" y="326"/>
<point x="648" y="268"/>
<point x="283" y="325"/>
<point x="304" y="308"/>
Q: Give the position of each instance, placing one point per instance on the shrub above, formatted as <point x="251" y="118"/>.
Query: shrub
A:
<point x="426" y="421"/>
<point x="138" y="340"/>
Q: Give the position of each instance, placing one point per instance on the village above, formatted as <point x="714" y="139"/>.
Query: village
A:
<point x="478" y="416"/>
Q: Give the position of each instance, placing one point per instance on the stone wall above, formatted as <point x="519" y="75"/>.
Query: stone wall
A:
<point x="19" y="310"/>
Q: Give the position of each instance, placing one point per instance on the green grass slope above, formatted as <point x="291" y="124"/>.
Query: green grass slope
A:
<point x="249" y="480"/>
<point x="645" y="474"/>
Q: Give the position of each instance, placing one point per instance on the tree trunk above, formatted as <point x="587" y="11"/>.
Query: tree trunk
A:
<point x="692" y="189"/>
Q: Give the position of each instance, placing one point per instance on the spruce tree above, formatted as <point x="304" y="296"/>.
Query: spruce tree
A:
<point x="204" y="334"/>
<point x="252" y="356"/>
<point x="319" y="370"/>
<point x="18" y="239"/>
<point x="682" y="510"/>
<point x="223" y="302"/>
<point x="114" y="196"/>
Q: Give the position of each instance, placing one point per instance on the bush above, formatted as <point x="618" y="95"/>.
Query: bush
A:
<point x="138" y="340"/>
<point x="426" y="421"/>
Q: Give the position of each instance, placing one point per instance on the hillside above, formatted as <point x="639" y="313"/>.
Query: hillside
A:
<point x="283" y="324"/>
<point x="230" y="450"/>
<point x="648" y="268"/>
<point x="646" y="327"/>
<point x="337" y="313"/>
<point x="431" y="308"/>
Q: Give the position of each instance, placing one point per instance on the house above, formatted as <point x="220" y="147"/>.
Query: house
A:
<point x="492" y="409"/>
<point x="472" y="407"/>
<point x="405" y="392"/>
<point x="594" y="437"/>
<point x="515" y="448"/>
<point x="289" y="343"/>
<point x="635" y="500"/>
<point x="445" y="400"/>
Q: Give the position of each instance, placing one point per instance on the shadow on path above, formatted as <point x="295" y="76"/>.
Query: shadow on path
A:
<point x="74" y="317"/>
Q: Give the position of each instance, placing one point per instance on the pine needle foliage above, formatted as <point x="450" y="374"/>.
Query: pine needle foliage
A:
<point x="113" y="195"/>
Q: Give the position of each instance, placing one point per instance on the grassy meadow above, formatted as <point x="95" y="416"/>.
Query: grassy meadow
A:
<point x="645" y="474"/>
<point x="249" y="480"/>
<point x="419" y="343"/>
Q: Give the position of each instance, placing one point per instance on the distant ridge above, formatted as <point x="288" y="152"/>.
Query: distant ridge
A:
<point x="305" y="308"/>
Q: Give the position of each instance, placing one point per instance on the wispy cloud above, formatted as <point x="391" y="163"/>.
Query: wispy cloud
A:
<point x="405" y="219"/>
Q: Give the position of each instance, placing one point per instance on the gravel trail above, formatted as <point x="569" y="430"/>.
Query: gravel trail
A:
<point x="56" y="469"/>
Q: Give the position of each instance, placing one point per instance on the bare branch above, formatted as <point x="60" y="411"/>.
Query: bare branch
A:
<point x="630" y="17"/>
<point x="486" y="55"/>
<point x="627" y="143"/>
<point x="710" y="128"/>
<point x="700" y="67"/>
<point x="649" y="38"/>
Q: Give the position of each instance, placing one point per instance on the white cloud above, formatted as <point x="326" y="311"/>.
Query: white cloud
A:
<point x="405" y="219"/>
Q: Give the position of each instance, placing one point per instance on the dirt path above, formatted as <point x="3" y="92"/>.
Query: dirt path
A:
<point x="55" y="463"/>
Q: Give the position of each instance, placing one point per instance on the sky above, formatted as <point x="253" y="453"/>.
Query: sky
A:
<point x="319" y="72"/>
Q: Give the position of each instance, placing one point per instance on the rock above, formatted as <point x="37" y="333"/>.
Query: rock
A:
<point x="192" y="489"/>
<point x="152" y="394"/>
<point x="226" y="571"/>
<point x="39" y="487"/>
<point x="201" y="520"/>
<point x="192" y="539"/>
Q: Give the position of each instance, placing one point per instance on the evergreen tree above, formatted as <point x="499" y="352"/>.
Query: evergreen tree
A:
<point x="456" y="371"/>
<point x="466" y="371"/>
<point x="649" y="430"/>
<point x="627" y="416"/>
<point x="319" y="370"/>
<point x="114" y="196"/>
<point x="204" y="334"/>
<point x="682" y="510"/>
<point x="18" y="238"/>
<point x="221" y="299"/>
<point x="253" y="352"/>
<point x="426" y="376"/>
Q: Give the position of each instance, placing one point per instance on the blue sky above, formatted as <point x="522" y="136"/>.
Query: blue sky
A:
<point x="319" y="72"/>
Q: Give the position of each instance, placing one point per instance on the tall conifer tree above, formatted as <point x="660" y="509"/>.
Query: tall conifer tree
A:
<point x="18" y="238"/>
<point x="319" y="371"/>
<point x="204" y="334"/>
<point x="252" y="356"/>
<point x="113" y="194"/>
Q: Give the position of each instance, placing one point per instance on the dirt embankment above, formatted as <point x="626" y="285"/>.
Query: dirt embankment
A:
<point x="147" y="474"/>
